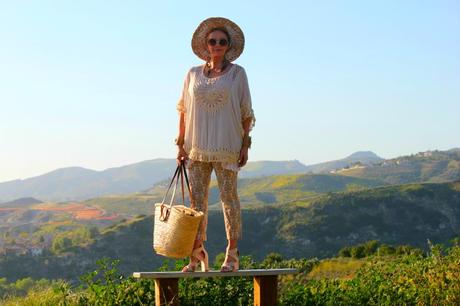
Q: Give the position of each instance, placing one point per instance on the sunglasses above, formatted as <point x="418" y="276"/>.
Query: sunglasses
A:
<point x="222" y="42"/>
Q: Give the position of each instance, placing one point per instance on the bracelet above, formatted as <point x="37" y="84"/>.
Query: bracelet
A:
<point x="179" y="141"/>
<point x="247" y="141"/>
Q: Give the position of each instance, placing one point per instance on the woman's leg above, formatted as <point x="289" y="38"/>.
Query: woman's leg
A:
<point x="232" y="215"/>
<point x="200" y="176"/>
<point x="227" y="180"/>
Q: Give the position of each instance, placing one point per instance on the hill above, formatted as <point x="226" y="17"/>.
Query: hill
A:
<point x="27" y="223"/>
<point x="285" y="188"/>
<point x="267" y="168"/>
<point x="430" y="166"/>
<point x="316" y="227"/>
<point x="21" y="220"/>
<point x="269" y="189"/>
<point x="76" y="183"/>
<point x="361" y="157"/>
<point x="21" y="202"/>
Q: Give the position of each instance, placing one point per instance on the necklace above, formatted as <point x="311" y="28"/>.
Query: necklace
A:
<point x="224" y="65"/>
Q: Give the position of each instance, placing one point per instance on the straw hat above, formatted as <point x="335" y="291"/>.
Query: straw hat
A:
<point x="199" y="44"/>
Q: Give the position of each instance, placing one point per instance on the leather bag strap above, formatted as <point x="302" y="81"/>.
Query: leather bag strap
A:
<point x="179" y="175"/>
<point x="170" y="184"/>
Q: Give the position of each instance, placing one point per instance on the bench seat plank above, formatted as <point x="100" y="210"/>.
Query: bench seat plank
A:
<point x="179" y="274"/>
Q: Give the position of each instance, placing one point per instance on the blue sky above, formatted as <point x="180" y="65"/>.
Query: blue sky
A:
<point x="95" y="83"/>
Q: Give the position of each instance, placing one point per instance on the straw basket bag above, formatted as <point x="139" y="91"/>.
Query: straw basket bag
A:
<point x="175" y="226"/>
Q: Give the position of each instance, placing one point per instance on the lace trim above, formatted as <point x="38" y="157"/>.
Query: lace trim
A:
<point x="222" y="155"/>
<point x="228" y="166"/>
<point x="247" y="112"/>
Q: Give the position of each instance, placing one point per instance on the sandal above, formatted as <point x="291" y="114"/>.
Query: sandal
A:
<point x="231" y="266"/>
<point x="197" y="254"/>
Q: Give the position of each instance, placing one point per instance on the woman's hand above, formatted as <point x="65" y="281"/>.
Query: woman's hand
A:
<point x="243" y="159"/>
<point x="182" y="156"/>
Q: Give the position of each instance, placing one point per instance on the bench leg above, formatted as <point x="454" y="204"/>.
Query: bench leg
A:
<point x="265" y="290"/>
<point x="166" y="291"/>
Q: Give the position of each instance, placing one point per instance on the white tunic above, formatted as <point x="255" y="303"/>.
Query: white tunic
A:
<point x="214" y="110"/>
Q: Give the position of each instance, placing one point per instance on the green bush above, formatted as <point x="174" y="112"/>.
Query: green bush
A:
<point x="63" y="242"/>
<point x="345" y="252"/>
<point x="22" y="286"/>
<point x="405" y="279"/>
<point x="373" y="247"/>
<point x="409" y="279"/>
<point x="106" y="286"/>
<point x="220" y="290"/>
<point x="385" y="250"/>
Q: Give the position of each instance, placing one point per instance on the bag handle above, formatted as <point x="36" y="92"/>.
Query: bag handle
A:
<point x="182" y="173"/>
<point x="188" y="184"/>
<point x="170" y="184"/>
<point x="178" y="175"/>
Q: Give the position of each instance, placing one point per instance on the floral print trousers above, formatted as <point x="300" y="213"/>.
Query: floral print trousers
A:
<point x="200" y="176"/>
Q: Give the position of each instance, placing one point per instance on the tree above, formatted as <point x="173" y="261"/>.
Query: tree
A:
<point x="386" y="250"/>
<point x="371" y="247"/>
<point x="345" y="252"/>
<point x="358" y="251"/>
<point x="60" y="244"/>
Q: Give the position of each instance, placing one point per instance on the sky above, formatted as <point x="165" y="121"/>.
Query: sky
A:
<point x="95" y="84"/>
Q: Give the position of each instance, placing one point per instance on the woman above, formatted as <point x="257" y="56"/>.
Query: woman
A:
<point x="215" y="118"/>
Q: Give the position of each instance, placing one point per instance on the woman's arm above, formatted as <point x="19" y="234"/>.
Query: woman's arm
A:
<point x="246" y="142"/>
<point x="181" y="135"/>
<point x="181" y="154"/>
<point x="247" y="116"/>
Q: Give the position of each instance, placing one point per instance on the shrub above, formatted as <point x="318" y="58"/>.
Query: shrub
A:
<point x="106" y="286"/>
<point x="345" y="252"/>
<point x="406" y="279"/>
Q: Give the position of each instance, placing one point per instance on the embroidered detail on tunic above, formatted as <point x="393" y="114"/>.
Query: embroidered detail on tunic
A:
<point x="211" y="99"/>
<point x="209" y="155"/>
<point x="209" y="94"/>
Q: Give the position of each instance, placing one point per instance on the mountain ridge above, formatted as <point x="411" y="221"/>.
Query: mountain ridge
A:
<point x="78" y="183"/>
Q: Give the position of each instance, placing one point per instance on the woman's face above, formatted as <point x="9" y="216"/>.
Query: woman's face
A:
<point x="217" y="43"/>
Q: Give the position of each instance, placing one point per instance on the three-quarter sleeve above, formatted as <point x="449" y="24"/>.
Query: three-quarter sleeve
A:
<point x="245" y="99"/>
<point x="181" y="105"/>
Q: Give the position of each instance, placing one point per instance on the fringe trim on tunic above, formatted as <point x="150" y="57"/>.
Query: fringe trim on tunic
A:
<point x="214" y="156"/>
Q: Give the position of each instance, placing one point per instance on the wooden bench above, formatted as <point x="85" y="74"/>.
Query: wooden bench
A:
<point x="265" y="283"/>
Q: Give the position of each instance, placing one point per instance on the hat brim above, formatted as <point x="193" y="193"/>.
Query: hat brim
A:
<point x="199" y="45"/>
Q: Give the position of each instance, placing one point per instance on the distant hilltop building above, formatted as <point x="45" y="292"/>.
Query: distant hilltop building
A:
<point x="354" y="165"/>
<point x="427" y="154"/>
